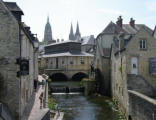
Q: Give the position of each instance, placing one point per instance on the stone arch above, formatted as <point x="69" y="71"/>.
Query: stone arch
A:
<point x="79" y="76"/>
<point x="58" y="77"/>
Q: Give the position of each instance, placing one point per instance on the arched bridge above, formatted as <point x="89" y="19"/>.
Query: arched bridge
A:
<point x="60" y="74"/>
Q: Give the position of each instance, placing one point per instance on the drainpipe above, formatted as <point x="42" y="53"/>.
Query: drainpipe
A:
<point x="20" y="42"/>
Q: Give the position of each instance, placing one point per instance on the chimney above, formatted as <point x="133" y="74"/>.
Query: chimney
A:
<point x="132" y="22"/>
<point x="119" y="21"/>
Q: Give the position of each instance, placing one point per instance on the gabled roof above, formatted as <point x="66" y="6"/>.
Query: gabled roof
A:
<point x="13" y="7"/>
<point x="111" y="28"/>
<point x="90" y="40"/>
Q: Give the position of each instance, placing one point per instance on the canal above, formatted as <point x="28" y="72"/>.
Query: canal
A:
<point x="79" y="107"/>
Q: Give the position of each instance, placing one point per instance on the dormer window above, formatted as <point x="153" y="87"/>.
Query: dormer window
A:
<point x="143" y="45"/>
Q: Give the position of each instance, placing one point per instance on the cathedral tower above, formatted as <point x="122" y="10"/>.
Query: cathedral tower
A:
<point x="71" y="35"/>
<point x="77" y="34"/>
<point x="48" y="32"/>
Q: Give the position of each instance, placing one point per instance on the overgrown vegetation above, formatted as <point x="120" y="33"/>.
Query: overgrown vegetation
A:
<point x="51" y="103"/>
<point x="88" y="80"/>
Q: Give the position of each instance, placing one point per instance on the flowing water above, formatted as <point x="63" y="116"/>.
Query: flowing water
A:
<point x="79" y="107"/>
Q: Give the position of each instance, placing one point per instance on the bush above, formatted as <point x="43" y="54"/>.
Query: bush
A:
<point x="51" y="103"/>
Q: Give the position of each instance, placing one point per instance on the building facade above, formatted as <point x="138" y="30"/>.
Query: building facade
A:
<point x="66" y="58"/>
<point x="133" y="67"/>
<point x="18" y="62"/>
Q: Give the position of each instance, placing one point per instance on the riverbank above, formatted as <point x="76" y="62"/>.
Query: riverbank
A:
<point x="76" y="106"/>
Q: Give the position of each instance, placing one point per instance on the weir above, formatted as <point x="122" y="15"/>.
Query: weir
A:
<point x="66" y="89"/>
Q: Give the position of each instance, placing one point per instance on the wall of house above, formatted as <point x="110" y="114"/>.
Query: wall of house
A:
<point x="67" y="62"/>
<point x="133" y="50"/>
<point x="27" y="81"/>
<point x="119" y="81"/>
<point x="10" y="51"/>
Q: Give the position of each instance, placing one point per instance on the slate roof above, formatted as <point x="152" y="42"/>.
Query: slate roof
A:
<point x="111" y="29"/>
<point x="128" y="30"/>
<point x="66" y="54"/>
<point x="13" y="7"/>
<point x="90" y="40"/>
<point x="67" y="41"/>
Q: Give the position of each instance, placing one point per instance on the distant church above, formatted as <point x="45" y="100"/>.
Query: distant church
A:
<point x="77" y="35"/>
<point x="48" y="39"/>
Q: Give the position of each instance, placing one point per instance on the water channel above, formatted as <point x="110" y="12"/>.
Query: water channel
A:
<point x="79" y="107"/>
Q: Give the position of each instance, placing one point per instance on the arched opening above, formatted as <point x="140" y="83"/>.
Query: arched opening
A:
<point x="79" y="76"/>
<point x="58" y="77"/>
<point x="129" y="117"/>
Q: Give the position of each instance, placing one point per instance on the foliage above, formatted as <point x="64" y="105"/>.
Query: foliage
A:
<point x="51" y="103"/>
<point x="120" y="69"/>
<point x="88" y="80"/>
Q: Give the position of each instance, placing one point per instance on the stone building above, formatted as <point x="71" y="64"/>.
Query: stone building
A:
<point x="65" y="59"/>
<point x="18" y="62"/>
<point x="133" y="69"/>
<point x="102" y="57"/>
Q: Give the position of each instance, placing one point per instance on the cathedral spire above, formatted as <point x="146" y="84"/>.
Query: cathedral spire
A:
<point x="71" y="35"/>
<point x="48" y="32"/>
<point x="48" y="19"/>
<point x="77" y="29"/>
<point x="77" y="34"/>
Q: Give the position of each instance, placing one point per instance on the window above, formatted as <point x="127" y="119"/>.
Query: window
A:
<point x="143" y="44"/>
<point x="62" y="61"/>
<point x="46" y="60"/>
<point x="82" y="60"/>
<point x="71" y="62"/>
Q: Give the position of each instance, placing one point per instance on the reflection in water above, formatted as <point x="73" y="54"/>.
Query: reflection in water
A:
<point x="78" y="107"/>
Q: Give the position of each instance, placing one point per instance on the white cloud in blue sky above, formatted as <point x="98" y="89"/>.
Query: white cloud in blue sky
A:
<point x="93" y="15"/>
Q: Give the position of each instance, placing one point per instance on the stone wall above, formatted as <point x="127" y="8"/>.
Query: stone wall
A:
<point x="10" y="51"/>
<point x="141" y="107"/>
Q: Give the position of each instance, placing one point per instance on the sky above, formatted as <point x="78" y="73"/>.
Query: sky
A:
<point x="92" y="15"/>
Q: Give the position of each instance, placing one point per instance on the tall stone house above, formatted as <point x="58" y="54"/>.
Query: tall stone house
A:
<point x="102" y="57"/>
<point x="133" y="67"/>
<point x="18" y="62"/>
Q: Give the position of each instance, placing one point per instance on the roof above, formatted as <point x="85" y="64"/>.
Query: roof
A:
<point x="88" y="40"/>
<point x="112" y="28"/>
<point x="129" y="32"/>
<point x="67" y="41"/>
<point x="12" y="6"/>
<point x="67" y="54"/>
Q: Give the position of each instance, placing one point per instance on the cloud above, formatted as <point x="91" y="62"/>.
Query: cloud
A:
<point x="111" y="11"/>
<point x="151" y="5"/>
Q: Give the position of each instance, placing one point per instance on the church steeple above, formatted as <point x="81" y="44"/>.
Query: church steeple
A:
<point x="77" y="34"/>
<point x="48" y="32"/>
<point x="71" y="35"/>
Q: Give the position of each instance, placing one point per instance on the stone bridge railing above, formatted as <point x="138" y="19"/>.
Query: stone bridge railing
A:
<point x="141" y="106"/>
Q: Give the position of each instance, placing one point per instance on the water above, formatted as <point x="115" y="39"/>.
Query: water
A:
<point x="78" y="107"/>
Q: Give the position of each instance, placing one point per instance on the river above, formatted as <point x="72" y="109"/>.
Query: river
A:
<point x="79" y="107"/>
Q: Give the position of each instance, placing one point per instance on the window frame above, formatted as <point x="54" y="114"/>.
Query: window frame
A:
<point x="143" y="44"/>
